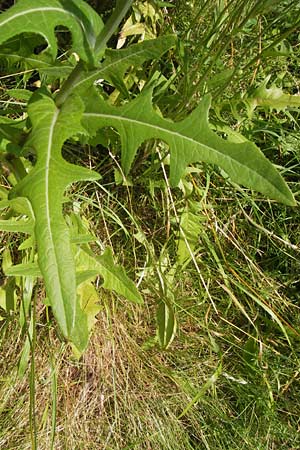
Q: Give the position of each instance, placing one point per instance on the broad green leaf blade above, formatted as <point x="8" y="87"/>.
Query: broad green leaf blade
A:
<point x="28" y="243"/>
<point x="43" y="16"/>
<point x="189" y="231"/>
<point x="190" y="140"/>
<point x="19" y="94"/>
<point x="118" y="61"/>
<point x="44" y="187"/>
<point x="56" y="69"/>
<point x="84" y="275"/>
<point x="20" y="51"/>
<point x="89" y="300"/>
<point x="83" y="239"/>
<point x="22" y="207"/>
<point x="8" y="297"/>
<point x="18" y="226"/>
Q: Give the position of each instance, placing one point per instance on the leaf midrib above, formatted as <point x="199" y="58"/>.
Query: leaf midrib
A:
<point x="47" y="205"/>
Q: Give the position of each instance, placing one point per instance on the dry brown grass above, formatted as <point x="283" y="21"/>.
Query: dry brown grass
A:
<point x="117" y="396"/>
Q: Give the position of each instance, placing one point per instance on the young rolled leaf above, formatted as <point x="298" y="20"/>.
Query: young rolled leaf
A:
<point x="43" y="16"/>
<point x="166" y="324"/>
<point x="190" y="140"/>
<point x="44" y="187"/>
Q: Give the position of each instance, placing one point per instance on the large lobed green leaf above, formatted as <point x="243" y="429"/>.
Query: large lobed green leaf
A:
<point x="44" y="187"/>
<point x="43" y="16"/>
<point x="190" y="140"/>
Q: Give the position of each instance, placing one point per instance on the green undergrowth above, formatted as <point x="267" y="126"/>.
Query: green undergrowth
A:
<point x="230" y="377"/>
<point x="223" y="261"/>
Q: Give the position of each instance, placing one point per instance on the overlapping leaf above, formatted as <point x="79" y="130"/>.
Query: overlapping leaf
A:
<point x="24" y="223"/>
<point x="39" y="195"/>
<point x="43" y="16"/>
<point x="118" y="61"/>
<point x="190" y="140"/>
<point x="11" y="134"/>
<point x="37" y="200"/>
<point x="42" y="63"/>
<point x="20" y="51"/>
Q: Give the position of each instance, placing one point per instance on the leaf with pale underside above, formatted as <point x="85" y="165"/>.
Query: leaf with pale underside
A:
<point x="190" y="140"/>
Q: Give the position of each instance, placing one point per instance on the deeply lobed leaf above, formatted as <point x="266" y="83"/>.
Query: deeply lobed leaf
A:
<point x="44" y="187"/>
<point x="190" y="140"/>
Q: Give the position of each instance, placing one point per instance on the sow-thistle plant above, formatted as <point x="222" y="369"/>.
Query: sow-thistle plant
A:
<point x="34" y="206"/>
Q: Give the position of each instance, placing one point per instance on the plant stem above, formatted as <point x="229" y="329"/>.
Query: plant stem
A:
<point x="112" y="24"/>
<point x="32" y="406"/>
<point x="67" y="87"/>
<point x="17" y="167"/>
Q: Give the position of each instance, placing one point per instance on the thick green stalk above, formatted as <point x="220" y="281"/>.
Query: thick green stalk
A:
<point x="112" y="24"/>
<point x="68" y="86"/>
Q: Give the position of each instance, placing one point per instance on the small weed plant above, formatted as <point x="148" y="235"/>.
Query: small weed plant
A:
<point x="70" y="104"/>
